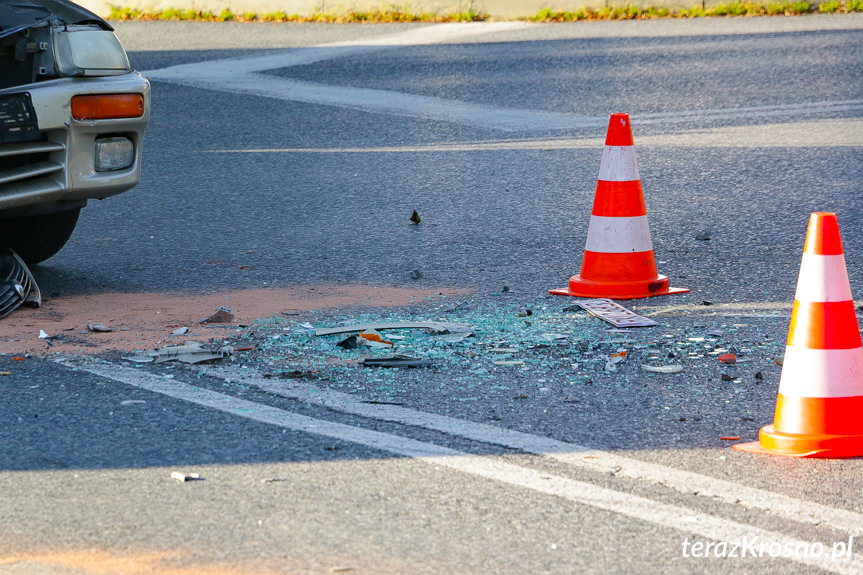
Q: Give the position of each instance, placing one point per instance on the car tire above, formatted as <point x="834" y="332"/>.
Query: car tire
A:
<point x="37" y="238"/>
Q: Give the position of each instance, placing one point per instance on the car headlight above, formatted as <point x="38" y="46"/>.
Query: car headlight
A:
<point x="88" y="52"/>
<point x="114" y="153"/>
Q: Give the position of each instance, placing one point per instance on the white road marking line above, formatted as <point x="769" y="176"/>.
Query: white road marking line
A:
<point x="445" y="147"/>
<point x="573" y="454"/>
<point x="243" y="76"/>
<point x="370" y="100"/>
<point x="291" y="57"/>
<point x="391" y="103"/>
<point x="841" y="133"/>
<point x="749" y="112"/>
<point x="665" y="515"/>
<point x="570" y="453"/>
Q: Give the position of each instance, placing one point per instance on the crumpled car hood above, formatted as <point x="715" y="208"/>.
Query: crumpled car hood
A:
<point x="22" y="14"/>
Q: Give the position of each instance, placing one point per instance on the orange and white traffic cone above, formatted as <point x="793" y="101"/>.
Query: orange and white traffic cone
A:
<point x="820" y="403"/>
<point x="618" y="259"/>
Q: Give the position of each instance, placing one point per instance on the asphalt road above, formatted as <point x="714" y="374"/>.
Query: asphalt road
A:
<point x="298" y="160"/>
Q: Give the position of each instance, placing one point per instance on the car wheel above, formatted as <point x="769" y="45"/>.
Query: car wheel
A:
<point x="37" y="238"/>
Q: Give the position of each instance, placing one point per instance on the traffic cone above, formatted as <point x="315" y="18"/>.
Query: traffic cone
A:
<point x="618" y="259"/>
<point x="820" y="403"/>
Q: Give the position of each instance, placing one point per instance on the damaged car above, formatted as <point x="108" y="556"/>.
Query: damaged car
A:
<point x="72" y="121"/>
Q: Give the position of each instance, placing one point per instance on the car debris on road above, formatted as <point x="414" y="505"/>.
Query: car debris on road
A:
<point x="185" y="477"/>
<point x="614" y="313"/>
<point x="222" y="315"/>
<point x="403" y="361"/>
<point x="192" y="352"/>
<point x="17" y="285"/>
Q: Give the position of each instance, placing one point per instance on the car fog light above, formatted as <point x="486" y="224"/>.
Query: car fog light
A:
<point x="114" y="153"/>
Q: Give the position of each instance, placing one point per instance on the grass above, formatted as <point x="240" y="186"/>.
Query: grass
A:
<point x="635" y="12"/>
<point x="372" y="16"/>
<point x="623" y="12"/>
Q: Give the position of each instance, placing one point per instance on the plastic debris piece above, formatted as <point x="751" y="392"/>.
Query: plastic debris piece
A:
<point x="402" y="361"/>
<point x="554" y="336"/>
<point x="454" y="337"/>
<point x="17" y="285"/>
<point x="374" y="339"/>
<point x="43" y="334"/>
<point x="728" y="358"/>
<point x="228" y="350"/>
<point x="373" y="336"/>
<point x="351" y="342"/>
<point x="460" y="306"/>
<point x="222" y="315"/>
<point x="369" y="338"/>
<point x="140" y="358"/>
<point x="730" y="437"/>
<point x="192" y="353"/>
<point x="415" y="218"/>
<point x="180" y="331"/>
<point x="183" y="477"/>
<point x="673" y="368"/>
<point x="98" y="327"/>
<point x="378" y="344"/>
<point x="614" y="313"/>
<point x="509" y="362"/>
<point x="4" y="373"/>
<point x="307" y="325"/>
<point x="439" y="328"/>
<point x="613" y="359"/>
<point x="503" y="350"/>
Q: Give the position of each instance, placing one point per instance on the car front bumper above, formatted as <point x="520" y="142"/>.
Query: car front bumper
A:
<point x="59" y="170"/>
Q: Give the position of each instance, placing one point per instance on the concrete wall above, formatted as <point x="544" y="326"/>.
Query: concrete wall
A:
<point x="494" y="8"/>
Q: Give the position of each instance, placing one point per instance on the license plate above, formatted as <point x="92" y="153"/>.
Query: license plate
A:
<point x="18" y="119"/>
<point x="614" y="313"/>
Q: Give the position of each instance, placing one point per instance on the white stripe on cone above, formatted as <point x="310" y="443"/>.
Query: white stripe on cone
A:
<point x="618" y="164"/>
<point x="822" y="372"/>
<point x="822" y="279"/>
<point x="618" y="235"/>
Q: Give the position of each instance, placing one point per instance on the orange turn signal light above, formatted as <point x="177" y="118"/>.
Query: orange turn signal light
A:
<point x="107" y="106"/>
